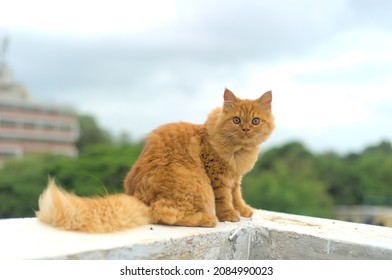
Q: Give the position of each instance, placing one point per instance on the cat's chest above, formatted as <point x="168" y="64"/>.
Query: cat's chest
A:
<point x="242" y="161"/>
<point x="228" y="162"/>
<point x="233" y="164"/>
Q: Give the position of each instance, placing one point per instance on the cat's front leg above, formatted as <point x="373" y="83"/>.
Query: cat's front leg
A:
<point x="239" y="203"/>
<point x="224" y="204"/>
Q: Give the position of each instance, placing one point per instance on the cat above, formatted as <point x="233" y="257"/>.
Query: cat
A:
<point x="186" y="175"/>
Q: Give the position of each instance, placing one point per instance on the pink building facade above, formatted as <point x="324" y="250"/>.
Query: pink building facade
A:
<point x="27" y="126"/>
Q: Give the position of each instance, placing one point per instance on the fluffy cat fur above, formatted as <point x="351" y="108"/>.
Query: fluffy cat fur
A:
<point x="187" y="175"/>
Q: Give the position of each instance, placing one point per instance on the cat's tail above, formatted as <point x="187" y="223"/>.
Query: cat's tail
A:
<point x="110" y="213"/>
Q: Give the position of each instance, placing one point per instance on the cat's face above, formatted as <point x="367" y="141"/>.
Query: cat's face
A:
<point x="246" y="121"/>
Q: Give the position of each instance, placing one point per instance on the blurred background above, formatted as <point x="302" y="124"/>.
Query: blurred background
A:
<point x="82" y="83"/>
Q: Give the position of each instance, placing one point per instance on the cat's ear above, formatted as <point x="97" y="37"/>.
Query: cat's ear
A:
<point x="265" y="100"/>
<point x="229" y="98"/>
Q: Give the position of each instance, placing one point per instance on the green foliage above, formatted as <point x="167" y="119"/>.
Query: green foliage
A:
<point x="100" y="169"/>
<point x="292" y="179"/>
<point x="20" y="184"/>
<point x="285" y="179"/>
<point x="91" y="133"/>
<point x="363" y="178"/>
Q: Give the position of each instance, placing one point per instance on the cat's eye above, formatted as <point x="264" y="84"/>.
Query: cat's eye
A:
<point x="236" y="120"/>
<point x="256" y="121"/>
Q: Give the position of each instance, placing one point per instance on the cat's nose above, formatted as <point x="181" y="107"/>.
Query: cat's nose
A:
<point x="245" y="129"/>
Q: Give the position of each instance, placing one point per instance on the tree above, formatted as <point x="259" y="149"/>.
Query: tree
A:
<point x="339" y="174"/>
<point x="22" y="180"/>
<point x="91" y="133"/>
<point x="360" y="178"/>
<point x="374" y="171"/>
<point x="100" y="169"/>
<point x="285" y="179"/>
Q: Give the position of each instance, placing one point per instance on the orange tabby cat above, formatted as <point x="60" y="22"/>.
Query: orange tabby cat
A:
<point x="187" y="174"/>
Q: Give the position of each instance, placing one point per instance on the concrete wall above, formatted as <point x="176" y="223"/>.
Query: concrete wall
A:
<point x="267" y="235"/>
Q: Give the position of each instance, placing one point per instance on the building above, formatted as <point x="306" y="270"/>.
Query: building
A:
<point x="366" y="214"/>
<point x="28" y="126"/>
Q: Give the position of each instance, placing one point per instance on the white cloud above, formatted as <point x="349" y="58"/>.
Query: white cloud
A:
<point x="342" y="102"/>
<point x="139" y="64"/>
<point x="87" y="17"/>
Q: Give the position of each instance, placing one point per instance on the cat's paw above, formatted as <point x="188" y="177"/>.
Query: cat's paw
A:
<point x="245" y="211"/>
<point x="229" y="216"/>
<point x="208" y="221"/>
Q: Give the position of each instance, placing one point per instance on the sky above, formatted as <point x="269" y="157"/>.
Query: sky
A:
<point x="136" y="65"/>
